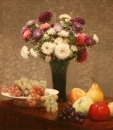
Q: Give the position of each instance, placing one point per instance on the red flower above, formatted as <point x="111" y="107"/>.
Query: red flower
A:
<point x="82" y="56"/>
<point x="81" y="39"/>
<point x="45" y="16"/>
<point x="26" y="34"/>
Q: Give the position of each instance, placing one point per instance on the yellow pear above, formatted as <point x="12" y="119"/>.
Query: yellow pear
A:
<point x="95" y="93"/>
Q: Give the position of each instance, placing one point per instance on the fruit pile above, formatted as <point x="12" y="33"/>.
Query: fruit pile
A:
<point x="91" y="103"/>
<point x="35" y="93"/>
<point x="25" y="87"/>
<point x="69" y="114"/>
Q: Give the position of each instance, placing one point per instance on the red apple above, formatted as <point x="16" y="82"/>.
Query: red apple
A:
<point x="99" y="111"/>
<point x="75" y="94"/>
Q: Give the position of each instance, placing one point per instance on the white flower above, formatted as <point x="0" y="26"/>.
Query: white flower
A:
<point x="64" y="16"/>
<point x="47" y="48"/>
<point x="95" y="38"/>
<point x="63" y="33"/>
<point x="58" y="40"/>
<point x="48" y="58"/>
<point x="24" y="52"/>
<point x="62" y="51"/>
<point x="33" y="53"/>
<point x="74" y="48"/>
<point x="46" y="36"/>
<point x="51" y="31"/>
<point x="66" y="40"/>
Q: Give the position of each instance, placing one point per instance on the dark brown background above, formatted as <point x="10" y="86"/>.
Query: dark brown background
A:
<point x="99" y="19"/>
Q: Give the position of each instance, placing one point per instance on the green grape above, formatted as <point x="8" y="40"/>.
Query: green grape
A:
<point x="52" y="101"/>
<point x="48" y="109"/>
<point x="53" y="110"/>
<point x="26" y="92"/>
<point x="56" y="104"/>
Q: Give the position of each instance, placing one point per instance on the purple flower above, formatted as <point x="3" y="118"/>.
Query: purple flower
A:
<point x="58" y="27"/>
<point x="24" y="29"/>
<point x="45" y="16"/>
<point x="77" y="26"/>
<point x="37" y="34"/>
<point x="30" y="22"/>
<point x="78" y="20"/>
<point x="89" y="41"/>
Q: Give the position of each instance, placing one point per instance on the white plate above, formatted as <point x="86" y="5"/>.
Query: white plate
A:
<point x="51" y="92"/>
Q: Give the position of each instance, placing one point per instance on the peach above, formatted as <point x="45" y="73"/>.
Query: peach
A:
<point x="75" y="94"/>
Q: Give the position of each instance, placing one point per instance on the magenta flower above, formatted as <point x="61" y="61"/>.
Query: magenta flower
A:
<point x="89" y="41"/>
<point x="37" y="34"/>
<point x="78" y="20"/>
<point x="77" y="27"/>
<point x="26" y="34"/>
<point x="45" y="16"/>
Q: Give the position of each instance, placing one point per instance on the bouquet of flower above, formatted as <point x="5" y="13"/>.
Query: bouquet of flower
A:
<point x="63" y="40"/>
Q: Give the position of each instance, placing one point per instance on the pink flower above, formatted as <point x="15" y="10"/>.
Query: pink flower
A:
<point x="81" y="38"/>
<point x="45" y="26"/>
<point x="26" y="34"/>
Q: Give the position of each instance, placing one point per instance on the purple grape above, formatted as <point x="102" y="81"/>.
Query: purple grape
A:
<point x="64" y="112"/>
<point x="81" y="115"/>
<point x="64" y="118"/>
<point x="72" y="114"/>
<point x="72" y="109"/>
<point x="60" y="116"/>
<point x="77" y="119"/>
<point x="69" y="118"/>
<point x="81" y="121"/>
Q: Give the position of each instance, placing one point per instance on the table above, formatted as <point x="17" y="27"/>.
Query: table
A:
<point x="13" y="117"/>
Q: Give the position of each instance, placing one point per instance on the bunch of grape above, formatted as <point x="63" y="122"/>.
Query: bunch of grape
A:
<point x="35" y="95"/>
<point x="70" y="114"/>
<point x="13" y="90"/>
<point x="50" y="102"/>
<point x="27" y="85"/>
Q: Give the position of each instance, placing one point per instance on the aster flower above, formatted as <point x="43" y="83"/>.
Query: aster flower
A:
<point x="26" y="34"/>
<point x="74" y="48"/>
<point x="61" y="40"/>
<point x="33" y="53"/>
<point x="64" y="16"/>
<point x="82" y="56"/>
<point x="45" y="16"/>
<point x="77" y="26"/>
<point x="24" y="29"/>
<point x="30" y="22"/>
<point x="62" y="51"/>
<point x="81" y="39"/>
<point x="37" y="34"/>
<point x="46" y="37"/>
<point x="78" y="20"/>
<point x="89" y="41"/>
<point x="63" y="33"/>
<point x="45" y="26"/>
<point x="58" y="27"/>
<point x="96" y="39"/>
<point x="58" y="40"/>
<point x="47" y="48"/>
<point x="51" y="31"/>
<point x="24" y="52"/>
